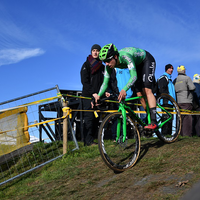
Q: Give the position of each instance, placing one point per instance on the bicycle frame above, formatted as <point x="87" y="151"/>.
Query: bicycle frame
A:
<point x="123" y="108"/>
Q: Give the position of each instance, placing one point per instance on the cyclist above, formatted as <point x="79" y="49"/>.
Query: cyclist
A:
<point x="141" y="65"/>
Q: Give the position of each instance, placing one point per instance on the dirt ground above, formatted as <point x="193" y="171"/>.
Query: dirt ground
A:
<point x="168" y="178"/>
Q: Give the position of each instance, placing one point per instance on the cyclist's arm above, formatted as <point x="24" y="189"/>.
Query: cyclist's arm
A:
<point x="105" y="81"/>
<point x="133" y="78"/>
<point x="127" y="61"/>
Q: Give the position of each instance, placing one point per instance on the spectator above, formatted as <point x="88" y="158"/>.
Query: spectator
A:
<point x="91" y="79"/>
<point x="165" y="85"/>
<point x="196" y="105"/>
<point x="92" y="75"/>
<point x="184" y="88"/>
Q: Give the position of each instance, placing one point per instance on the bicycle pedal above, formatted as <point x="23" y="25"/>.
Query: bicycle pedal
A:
<point x="148" y="133"/>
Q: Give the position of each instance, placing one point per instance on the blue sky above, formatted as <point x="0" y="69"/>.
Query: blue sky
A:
<point x="45" y="42"/>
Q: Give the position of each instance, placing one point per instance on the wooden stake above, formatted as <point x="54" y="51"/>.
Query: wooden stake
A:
<point x="65" y="128"/>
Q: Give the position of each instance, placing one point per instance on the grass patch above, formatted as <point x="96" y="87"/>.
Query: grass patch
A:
<point x="82" y="174"/>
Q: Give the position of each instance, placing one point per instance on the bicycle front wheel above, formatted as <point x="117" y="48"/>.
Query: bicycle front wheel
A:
<point x="169" y="112"/>
<point x="118" y="155"/>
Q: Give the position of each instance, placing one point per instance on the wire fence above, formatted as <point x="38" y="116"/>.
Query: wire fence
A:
<point x="30" y="133"/>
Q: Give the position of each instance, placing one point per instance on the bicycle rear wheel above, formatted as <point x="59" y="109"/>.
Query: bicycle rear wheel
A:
<point x="118" y="155"/>
<point x="170" y="131"/>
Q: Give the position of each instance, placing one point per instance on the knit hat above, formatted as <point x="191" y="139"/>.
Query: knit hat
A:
<point x="168" y="66"/>
<point x="180" y="68"/>
<point x="96" y="46"/>
<point x="196" y="78"/>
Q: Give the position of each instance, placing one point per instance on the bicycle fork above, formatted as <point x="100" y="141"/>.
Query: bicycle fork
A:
<point x="121" y="126"/>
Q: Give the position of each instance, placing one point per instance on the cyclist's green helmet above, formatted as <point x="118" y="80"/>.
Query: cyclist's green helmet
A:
<point x="107" y="52"/>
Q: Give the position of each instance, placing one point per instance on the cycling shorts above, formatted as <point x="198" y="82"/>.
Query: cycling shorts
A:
<point x="145" y="73"/>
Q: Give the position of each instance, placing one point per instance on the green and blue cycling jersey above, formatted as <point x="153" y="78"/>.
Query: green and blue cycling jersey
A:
<point x="129" y="57"/>
<point x="123" y="76"/>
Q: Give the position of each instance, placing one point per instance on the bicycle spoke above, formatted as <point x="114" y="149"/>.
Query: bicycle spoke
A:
<point x="118" y="155"/>
<point x="169" y="114"/>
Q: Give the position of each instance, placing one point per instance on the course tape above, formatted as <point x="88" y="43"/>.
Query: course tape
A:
<point x="34" y="125"/>
<point x="30" y="104"/>
<point x="183" y="112"/>
<point x="69" y="111"/>
<point x="33" y="103"/>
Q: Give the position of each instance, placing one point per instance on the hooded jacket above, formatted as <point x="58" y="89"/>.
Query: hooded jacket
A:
<point x="165" y="85"/>
<point x="184" y="88"/>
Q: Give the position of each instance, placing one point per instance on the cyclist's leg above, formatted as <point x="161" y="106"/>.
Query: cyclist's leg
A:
<point x="142" y="100"/>
<point x="150" y="97"/>
<point x="144" y="85"/>
<point x="139" y="85"/>
<point x="148" y="74"/>
<point x="152" y="105"/>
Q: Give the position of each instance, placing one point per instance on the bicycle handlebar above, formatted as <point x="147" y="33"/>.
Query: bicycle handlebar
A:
<point x="113" y="97"/>
<point x="102" y="104"/>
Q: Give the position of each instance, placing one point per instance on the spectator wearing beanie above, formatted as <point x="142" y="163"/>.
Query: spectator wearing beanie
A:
<point x="91" y="79"/>
<point x="92" y="75"/>
<point x="165" y="85"/>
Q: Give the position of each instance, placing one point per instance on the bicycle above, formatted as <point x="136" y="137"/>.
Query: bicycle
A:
<point x="123" y="153"/>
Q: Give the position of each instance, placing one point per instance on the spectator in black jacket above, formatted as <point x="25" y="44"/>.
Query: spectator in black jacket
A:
<point x="92" y="75"/>
<point x="196" y="105"/>
<point x="165" y="85"/>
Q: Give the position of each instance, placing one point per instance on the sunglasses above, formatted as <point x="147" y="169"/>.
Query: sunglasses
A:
<point x="108" y="60"/>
